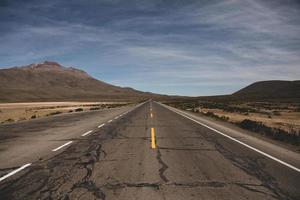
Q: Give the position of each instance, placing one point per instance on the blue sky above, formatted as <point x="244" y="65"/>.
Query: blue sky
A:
<point x="187" y="47"/>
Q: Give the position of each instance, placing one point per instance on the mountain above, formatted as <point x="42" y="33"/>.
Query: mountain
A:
<point x="270" y="90"/>
<point x="49" y="81"/>
<point x="273" y="90"/>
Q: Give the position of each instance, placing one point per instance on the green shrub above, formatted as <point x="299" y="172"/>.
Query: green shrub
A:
<point x="33" y="116"/>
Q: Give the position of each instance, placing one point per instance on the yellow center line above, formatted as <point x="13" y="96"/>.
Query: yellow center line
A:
<point x="153" y="144"/>
<point x="151" y="115"/>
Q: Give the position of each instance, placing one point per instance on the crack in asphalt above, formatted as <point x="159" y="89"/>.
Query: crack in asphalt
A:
<point x="214" y="184"/>
<point x="157" y="186"/>
<point x="68" y="172"/>
<point x="164" y="166"/>
<point x="47" y="178"/>
<point x="253" y="167"/>
<point x="252" y="188"/>
<point x="132" y="138"/>
<point x="93" y="155"/>
<point x="131" y="185"/>
<point x="186" y="149"/>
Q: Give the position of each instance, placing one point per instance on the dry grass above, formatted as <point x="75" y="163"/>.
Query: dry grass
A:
<point x="285" y="119"/>
<point x="12" y="112"/>
<point x="279" y="121"/>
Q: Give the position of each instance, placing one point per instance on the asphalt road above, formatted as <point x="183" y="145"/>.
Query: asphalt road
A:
<point x="33" y="140"/>
<point x="153" y="152"/>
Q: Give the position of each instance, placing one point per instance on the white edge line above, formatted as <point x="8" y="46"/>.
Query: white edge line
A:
<point x="242" y="143"/>
<point x="101" y="125"/>
<point x="86" y="133"/>
<point x="58" y="148"/>
<point x="14" y="172"/>
<point x="123" y="114"/>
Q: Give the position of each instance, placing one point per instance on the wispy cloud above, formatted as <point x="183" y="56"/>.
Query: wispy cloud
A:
<point x="184" y="47"/>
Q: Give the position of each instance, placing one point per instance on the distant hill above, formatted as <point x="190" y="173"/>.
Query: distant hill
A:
<point x="270" y="90"/>
<point x="275" y="90"/>
<point x="49" y="81"/>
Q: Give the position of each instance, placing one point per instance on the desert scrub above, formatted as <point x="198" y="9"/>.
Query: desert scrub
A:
<point x="292" y="137"/>
<point x="236" y="109"/>
<point x="213" y="115"/>
<point x="54" y="113"/>
<point x="213" y="105"/>
<point x="184" y="105"/>
<point x="194" y="107"/>
<point x="9" y="120"/>
<point x="115" y="105"/>
<point x="95" y="108"/>
<point x="33" y="117"/>
<point x="78" y="110"/>
<point x="277" y="113"/>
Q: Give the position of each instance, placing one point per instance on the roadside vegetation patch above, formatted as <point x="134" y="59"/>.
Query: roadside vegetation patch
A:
<point x="78" y="110"/>
<point x="95" y="108"/>
<point x="279" y="121"/>
<point x="13" y="112"/>
<point x="292" y="137"/>
<point x="54" y="113"/>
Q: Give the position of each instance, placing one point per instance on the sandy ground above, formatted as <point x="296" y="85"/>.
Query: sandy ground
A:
<point x="13" y="112"/>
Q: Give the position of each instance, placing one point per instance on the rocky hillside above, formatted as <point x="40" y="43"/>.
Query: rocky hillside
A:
<point x="49" y="81"/>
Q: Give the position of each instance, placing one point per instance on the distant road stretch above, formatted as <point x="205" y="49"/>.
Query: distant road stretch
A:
<point x="149" y="151"/>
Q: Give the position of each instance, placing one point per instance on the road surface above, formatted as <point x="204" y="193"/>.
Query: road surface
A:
<point x="153" y="152"/>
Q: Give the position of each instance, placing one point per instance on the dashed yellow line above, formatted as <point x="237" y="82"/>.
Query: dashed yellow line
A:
<point x="153" y="143"/>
